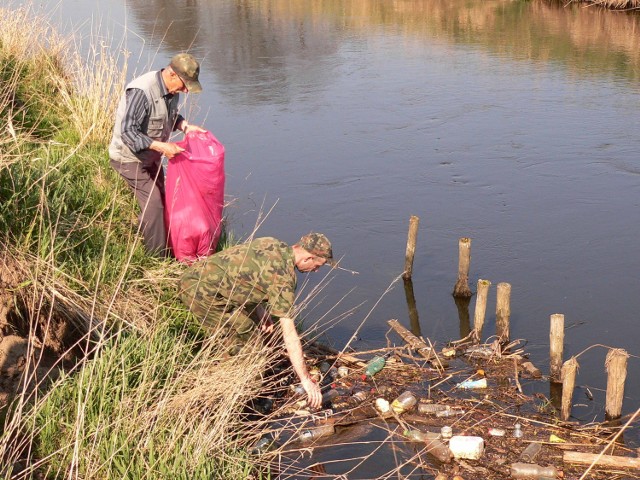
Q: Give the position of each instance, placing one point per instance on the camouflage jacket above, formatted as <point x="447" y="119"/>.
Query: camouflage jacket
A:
<point x="257" y="272"/>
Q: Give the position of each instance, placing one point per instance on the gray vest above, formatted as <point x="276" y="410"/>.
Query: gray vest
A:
<point x="157" y="126"/>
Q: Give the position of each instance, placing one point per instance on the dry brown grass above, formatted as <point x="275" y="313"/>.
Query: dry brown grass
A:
<point x="88" y="86"/>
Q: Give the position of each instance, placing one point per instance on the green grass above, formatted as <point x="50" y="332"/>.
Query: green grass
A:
<point x="143" y="393"/>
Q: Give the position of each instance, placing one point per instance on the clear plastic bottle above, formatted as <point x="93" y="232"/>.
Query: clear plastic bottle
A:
<point x="530" y="453"/>
<point x="404" y="402"/>
<point x="517" y="431"/>
<point x="330" y="395"/>
<point x="316" y="432"/>
<point x="264" y="444"/>
<point x="431" y="408"/>
<point x="374" y="366"/>
<point x="449" y="412"/>
<point x="533" y="471"/>
<point x="433" y="444"/>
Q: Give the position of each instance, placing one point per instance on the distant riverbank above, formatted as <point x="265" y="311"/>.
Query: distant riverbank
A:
<point x="612" y="4"/>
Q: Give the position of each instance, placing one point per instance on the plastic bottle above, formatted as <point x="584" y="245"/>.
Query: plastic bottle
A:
<point x="531" y="470"/>
<point x="404" y="402"/>
<point x="530" y="453"/>
<point x="330" y="395"/>
<point x="316" y="432"/>
<point x="374" y="366"/>
<point x="358" y="397"/>
<point x="433" y="444"/>
<point x="329" y="376"/>
<point x="472" y="384"/>
<point x="262" y="405"/>
<point x="264" y="444"/>
<point x="431" y="408"/>
<point x="449" y="412"/>
<point x="517" y="431"/>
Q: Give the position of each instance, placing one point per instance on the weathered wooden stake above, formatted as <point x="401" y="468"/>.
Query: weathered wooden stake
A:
<point x="503" y="311"/>
<point x="417" y="344"/>
<point x="414" y="222"/>
<point x="569" y="370"/>
<point x="556" y="341"/>
<point x="481" y="306"/>
<point x="461" y="289"/>
<point x="600" y="460"/>
<point x="616" y="366"/>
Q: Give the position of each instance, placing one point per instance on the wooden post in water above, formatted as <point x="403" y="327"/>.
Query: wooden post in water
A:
<point x="556" y="341"/>
<point x="569" y="370"/>
<point x="503" y="311"/>
<point x="616" y="366"/>
<point x="411" y="247"/>
<point x="461" y="289"/>
<point x="481" y="307"/>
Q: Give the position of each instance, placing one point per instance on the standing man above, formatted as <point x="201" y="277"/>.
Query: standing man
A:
<point x="147" y="115"/>
<point x="256" y="279"/>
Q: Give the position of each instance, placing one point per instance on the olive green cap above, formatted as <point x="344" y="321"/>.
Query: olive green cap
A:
<point x="188" y="69"/>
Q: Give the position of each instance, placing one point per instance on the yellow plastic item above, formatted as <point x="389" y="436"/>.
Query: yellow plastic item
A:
<point x="555" y="439"/>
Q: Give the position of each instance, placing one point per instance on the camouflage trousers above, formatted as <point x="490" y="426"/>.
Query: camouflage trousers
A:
<point x="218" y="315"/>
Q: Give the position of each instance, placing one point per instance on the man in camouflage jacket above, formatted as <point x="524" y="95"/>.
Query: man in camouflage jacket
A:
<point x="256" y="280"/>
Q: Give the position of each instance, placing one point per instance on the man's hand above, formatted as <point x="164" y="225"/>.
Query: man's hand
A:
<point x="266" y="324"/>
<point x="193" y="128"/>
<point x="186" y="128"/>
<point x="168" y="149"/>
<point x="314" y="396"/>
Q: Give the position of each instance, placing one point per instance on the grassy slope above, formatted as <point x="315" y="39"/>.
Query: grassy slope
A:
<point x="150" y="399"/>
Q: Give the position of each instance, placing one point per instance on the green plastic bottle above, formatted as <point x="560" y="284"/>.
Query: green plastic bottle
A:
<point x="374" y="366"/>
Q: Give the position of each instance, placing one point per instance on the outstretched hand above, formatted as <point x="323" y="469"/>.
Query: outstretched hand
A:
<point x="314" y="396"/>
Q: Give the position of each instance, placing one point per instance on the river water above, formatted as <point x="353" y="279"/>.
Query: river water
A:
<point x="514" y="123"/>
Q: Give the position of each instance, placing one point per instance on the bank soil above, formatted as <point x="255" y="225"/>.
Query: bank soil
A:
<point x="37" y="333"/>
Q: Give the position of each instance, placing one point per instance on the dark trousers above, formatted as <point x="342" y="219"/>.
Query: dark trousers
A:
<point x="147" y="182"/>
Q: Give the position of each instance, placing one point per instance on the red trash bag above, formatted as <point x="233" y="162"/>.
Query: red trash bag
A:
<point x="194" y="197"/>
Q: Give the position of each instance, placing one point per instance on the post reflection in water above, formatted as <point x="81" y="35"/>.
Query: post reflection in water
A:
<point x="414" y="319"/>
<point x="462" y="304"/>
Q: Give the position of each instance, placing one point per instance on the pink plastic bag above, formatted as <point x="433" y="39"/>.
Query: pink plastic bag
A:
<point x="195" y="197"/>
